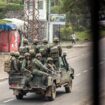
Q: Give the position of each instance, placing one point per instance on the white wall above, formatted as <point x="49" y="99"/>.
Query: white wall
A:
<point x="42" y="12"/>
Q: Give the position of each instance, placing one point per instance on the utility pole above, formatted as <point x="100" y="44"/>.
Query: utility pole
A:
<point x="31" y="18"/>
<point x="49" y="12"/>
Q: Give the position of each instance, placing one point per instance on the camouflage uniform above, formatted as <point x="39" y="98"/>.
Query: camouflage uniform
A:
<point x="35" y="46"/>
<point x="44" y="50"/>
<point x="32" y="54"/>
<point x="38" y="67"/>
<point x="14" y="62"/>
<point x="56" y="44"/>
<point x="25" y="48"/>
<point x="21" y="58"/>
<point x="50" y="65"/>
<point x="27" y="70"/>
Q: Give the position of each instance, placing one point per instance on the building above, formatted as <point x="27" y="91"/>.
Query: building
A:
<point x="36" y="10"/>
<point x="36" y="15"/>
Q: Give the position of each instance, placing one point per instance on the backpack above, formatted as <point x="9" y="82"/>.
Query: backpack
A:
<point x="7" y="65"/>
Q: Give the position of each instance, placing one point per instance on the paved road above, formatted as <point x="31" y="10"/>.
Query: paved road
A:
<point x="81" y="93"/>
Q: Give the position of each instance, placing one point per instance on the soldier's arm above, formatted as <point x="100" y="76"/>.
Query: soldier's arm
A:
<point x="23" y="65"/>
<point x="41" y="66"/>
<point x="15" y="65"/>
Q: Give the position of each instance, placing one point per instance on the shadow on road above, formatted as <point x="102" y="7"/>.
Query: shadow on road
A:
<point x="35" y="99"/>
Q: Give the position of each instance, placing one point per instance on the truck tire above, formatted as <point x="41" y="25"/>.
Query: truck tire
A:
<point x="19" y="96"/>
<point x="53" y="93"/>
<point x="68" y="88"/>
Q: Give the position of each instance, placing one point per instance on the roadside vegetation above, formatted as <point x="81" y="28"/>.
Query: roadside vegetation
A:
<point x="77" y="18"/>
<point x="9" y="6"/>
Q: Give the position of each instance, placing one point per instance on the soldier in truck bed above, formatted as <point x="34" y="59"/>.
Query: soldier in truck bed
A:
<point x="27" y="67"/>
<point x="38" y="67"/>
<point x="35" y="46"/>
<point x="14" y="62"/>
<point x="50" y="64"/>
<point x="56" y="44"/>
<point x="25" y="48"/>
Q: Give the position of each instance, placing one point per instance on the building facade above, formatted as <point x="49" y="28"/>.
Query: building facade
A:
<point x="36" y="15"/>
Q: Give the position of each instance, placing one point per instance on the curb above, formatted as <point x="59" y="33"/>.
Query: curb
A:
<point x="80" y="46"/>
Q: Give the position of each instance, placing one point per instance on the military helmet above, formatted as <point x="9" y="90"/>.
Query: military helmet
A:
<point x="21" y="49"/>
<point x="38" y="55"/>
<point x="49" y="59"/>
<point x="45" y="41"/>
<point x="32" y="52"/>
<point x="35" y="41"/>
<point x="25" y="41"/>
<point x="21" y="57"/>
<point x="27" y="54"/>
<point x="12" y="53"/>
<point x="16" y="54"/>
<point x="56" y="40"/>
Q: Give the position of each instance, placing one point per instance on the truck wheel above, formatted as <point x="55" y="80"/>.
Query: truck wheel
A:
<point x="19" y="96"/>
<point x="68" y="88"/>
<point x="53" y="93"/>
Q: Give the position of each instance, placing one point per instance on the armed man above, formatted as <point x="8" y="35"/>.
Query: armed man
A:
<point x="27" y="70"/>
<point x="44" y="50"/>
<point x="38" y="67"/>
<point x="21" y="58"/>
<point x="35" y="45"/>
<point x="14" y="62"/>
<point x="25" y="48"/>
<point x="50" y="64"/>
<point x="56" y="44"/>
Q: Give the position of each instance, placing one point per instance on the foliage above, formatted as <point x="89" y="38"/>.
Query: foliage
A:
<point x="4" y="21"/>
<point x="83" y="36"/>
<point x="66" y="31"/>
<point x="4" y="8"/>
<point x="77" y="12"/>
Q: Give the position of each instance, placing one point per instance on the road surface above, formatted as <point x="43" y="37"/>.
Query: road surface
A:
<point x="80" y="60"/>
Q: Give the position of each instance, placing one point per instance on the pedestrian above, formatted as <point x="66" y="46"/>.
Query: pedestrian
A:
<point x="73" y="38"/>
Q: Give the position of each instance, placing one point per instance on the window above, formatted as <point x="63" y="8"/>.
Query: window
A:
<point x="40" y="4"/>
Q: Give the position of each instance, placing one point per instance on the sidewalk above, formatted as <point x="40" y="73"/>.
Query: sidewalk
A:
<point x="3" y="75"/>
<point x="77" y="45"/>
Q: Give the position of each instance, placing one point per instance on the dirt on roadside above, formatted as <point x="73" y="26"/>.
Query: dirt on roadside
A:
<point x="3" y="58"/>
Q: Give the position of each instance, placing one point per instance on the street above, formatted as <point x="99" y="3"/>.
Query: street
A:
<point x="81" y="92"/>
<point x="80" y="60"/>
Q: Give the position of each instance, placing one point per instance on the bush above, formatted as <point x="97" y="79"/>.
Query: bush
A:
<point x="66" y="31"/>
<point x="83" y="36"/>
<point x="4" y="8"/>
